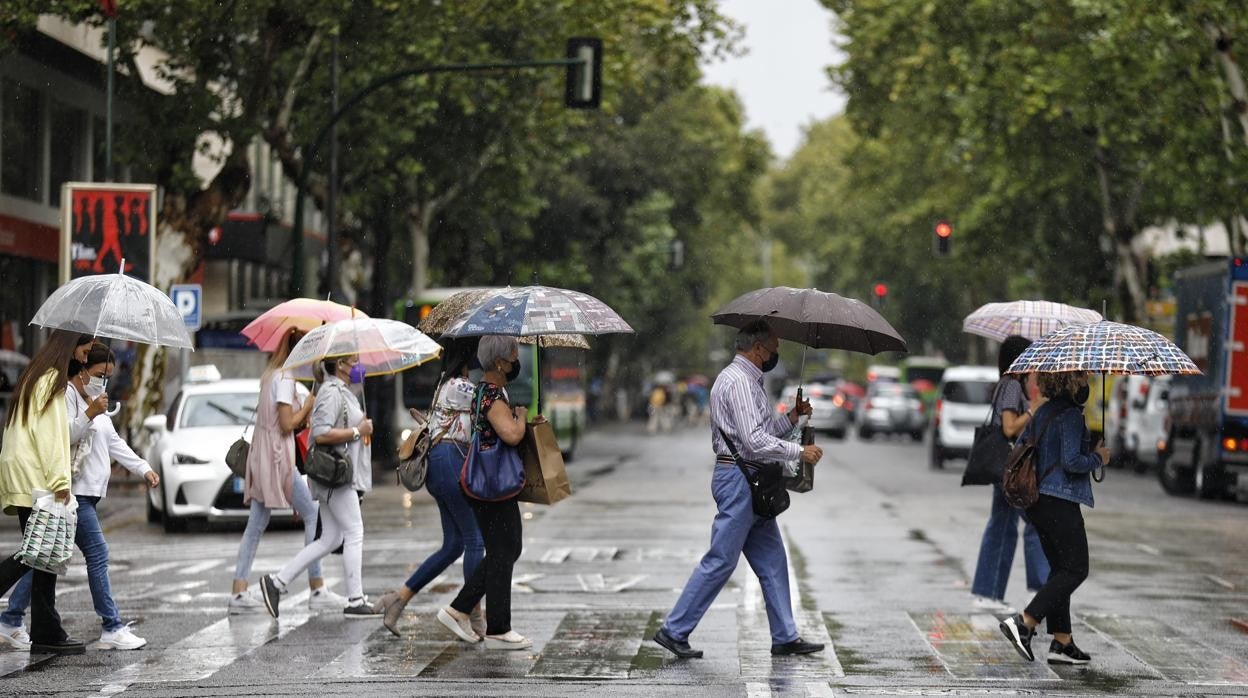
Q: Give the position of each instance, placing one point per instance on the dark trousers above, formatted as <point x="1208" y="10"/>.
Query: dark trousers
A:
<point x="1059" y="523"/>
<point x="500" y="527"/>
<point x="45" y="622"/>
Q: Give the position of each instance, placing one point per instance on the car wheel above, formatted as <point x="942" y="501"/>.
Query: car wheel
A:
<point x="1174" y="480"/>
<point x="916" y="436"/>
<point x="864" y="434"/>
<point x="153" y="514"/>
<point x="172" y="523"/>
<point x="838" y="434"/>
<point x="1208" y="481"/>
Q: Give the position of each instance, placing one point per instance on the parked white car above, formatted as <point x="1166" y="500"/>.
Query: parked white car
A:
<point x="188" y="451"/>
<point x="1145" y="426"/>
<point x="963" y="402"/>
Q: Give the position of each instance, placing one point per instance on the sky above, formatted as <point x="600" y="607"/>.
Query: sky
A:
<point x="781" y="79"/>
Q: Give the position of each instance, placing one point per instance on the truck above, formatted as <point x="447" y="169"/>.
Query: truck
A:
<point x="1206" y="445"/>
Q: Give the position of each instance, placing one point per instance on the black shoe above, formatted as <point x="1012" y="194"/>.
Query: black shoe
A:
<point x="679" y="648"/>
<point x="270" y="593"/>
<point x="66" y="646"/>
<point x="1067" y="654"/>
<point x="1019" y="635"/>
<point x="798" y="646"/>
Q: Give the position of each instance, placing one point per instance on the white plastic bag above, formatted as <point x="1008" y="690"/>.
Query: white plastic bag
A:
<point x="48" y="541"/>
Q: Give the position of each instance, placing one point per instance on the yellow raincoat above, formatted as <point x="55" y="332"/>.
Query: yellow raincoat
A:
<point x="36" y="449"/>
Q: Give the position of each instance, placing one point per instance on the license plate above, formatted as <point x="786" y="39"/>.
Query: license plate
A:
<point x="238" y="485"/>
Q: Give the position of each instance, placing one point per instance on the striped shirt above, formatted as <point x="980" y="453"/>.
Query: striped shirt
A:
<point x="740" y="407"/>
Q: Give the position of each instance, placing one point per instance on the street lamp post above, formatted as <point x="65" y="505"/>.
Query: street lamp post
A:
<point x="584" y="65"/>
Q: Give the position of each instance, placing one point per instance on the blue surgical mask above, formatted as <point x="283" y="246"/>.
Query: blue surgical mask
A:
<point x="357" y="373"/>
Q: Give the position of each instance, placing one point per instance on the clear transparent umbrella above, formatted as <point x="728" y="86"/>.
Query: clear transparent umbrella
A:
<point x="384" y="346"/>
<point x="115" y="306"/>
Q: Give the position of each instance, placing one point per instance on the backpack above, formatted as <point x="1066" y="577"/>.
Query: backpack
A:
<point x="1020" y="486"/>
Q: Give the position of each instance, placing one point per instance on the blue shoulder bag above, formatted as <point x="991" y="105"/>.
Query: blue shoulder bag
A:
<point x="490" y="473"/>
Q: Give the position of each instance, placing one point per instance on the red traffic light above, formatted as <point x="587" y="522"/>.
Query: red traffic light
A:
<point x="881" y="290"/>
<point x="943" y="229"/>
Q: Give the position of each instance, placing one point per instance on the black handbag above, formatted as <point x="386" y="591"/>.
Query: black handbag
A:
<point x="768" y="496"/>
<point x="985" y="464"/>
<point x="326" y="465"/>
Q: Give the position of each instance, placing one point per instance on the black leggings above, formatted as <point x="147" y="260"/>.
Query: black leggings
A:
<point x="45" y="622"/>
<point x="1059" y="523"/>
<point x="501" y="529"/>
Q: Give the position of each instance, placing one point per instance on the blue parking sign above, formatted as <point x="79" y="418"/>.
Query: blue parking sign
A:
<point x="188" y="298"/>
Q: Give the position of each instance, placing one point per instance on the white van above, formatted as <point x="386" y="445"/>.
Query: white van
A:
<point x="1145" y="425"/>
<point x="963" y="402"/>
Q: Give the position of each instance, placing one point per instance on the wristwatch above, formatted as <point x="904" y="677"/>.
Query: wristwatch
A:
<point x="355" y="433"/>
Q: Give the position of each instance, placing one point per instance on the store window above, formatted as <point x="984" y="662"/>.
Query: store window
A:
<point x="21" y="140"/>
<point x="69" y="144"/>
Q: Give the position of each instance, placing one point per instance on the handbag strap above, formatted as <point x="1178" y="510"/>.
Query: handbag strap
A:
<point x="736" y="457"/>
<point x="992" y="405"/>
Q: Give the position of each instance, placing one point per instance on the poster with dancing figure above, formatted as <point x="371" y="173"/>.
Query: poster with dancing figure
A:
<point x="104" y="223"/>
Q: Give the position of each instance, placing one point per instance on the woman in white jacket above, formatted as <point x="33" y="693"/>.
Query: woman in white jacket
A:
<point x="91" y="462"/>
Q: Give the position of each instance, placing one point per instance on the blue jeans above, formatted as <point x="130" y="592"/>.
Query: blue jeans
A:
<point x="258" y="520"/>
<point x="996" y="551"/>
<point x="90" y="540"/>
<point x="736" y="530"/>
<point x="460" y="534"/>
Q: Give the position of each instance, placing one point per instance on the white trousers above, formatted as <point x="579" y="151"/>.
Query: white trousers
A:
<point x="341" y="524"/>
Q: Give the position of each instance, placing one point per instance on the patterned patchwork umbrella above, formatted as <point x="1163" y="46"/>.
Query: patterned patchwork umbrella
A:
<point x="449" y="311"/>
<point x="537" y="310"/>
<point x="1104" y="347"/>
<point x="1031" y="319"/>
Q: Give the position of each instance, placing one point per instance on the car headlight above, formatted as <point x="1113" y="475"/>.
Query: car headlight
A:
<point x="187" y="459"/>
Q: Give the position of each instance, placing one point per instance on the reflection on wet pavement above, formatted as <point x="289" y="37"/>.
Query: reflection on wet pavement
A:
<point x="598" y="644"/>
<point x="1171" y="653"/>
<point x="972" y="647"/>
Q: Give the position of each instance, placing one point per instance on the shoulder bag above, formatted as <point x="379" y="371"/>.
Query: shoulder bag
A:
<point x="985" y="464"/>
<point x="768" y="495"/>
<point x="414" y="451"/>
<point x="236" y="457"/>
<point x="327" y="465"/>
<point x="490" y="473"/>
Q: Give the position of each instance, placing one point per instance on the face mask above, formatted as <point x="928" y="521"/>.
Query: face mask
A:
<point x="513" y="372"/>
<point x="771" y="361"/>
<point x="357" y="373"/>
<point x="1081" y="395"/>
<point x="95" y="387"/>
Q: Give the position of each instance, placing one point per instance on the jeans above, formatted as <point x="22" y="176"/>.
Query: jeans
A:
<point x="45" y="622"/>
<point x="736" y="530"/>
<point x="460" y="535"/>
<point x="258" y="521"/>
<point x="341" y="524"/>
<point x="996" y="551"/>
<point x="90" y="540"/>
<point x="1060" y="525"/>
<point x="501" y="530"/>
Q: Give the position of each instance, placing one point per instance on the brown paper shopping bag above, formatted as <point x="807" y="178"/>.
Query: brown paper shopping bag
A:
<point x="546" y="480"/>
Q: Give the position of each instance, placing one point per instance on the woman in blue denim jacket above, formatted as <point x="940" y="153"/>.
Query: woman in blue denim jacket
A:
<point x="1064" y="462"/>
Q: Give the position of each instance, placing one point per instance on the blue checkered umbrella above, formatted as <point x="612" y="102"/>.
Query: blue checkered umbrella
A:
<point x="537" y="310"/>
<point x="1104" y="347"/>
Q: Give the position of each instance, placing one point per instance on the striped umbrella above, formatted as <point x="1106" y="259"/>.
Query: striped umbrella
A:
<point x="1031" y="319"/>
<point x="1104" y="347"/>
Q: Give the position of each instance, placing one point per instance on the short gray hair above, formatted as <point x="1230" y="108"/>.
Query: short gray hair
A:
<point x="757" y="331"/>
<point x="494" y="347"/>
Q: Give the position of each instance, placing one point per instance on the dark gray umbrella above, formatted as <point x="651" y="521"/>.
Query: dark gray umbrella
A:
<point x="815" y="318"/>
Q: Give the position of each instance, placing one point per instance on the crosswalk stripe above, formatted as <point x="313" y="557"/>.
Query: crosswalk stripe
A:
<point x="1168" y="652"/>
<point x="593" y="644"/>
<point x="972" y="647"/>
<point x="199" y="567"/>
<point x="149" y="570"/>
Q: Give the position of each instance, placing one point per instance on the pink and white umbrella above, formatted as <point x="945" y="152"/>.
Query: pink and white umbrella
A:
<point x="305" y="314"/>
<point x="1030" y="319"/>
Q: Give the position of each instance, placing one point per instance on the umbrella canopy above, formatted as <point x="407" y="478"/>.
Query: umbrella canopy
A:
<point x="815" y="318"/>
<point x="1104" y="347"/>
<point x="115" y="306"/>
<point x="304" y="314"/>
<point x="537" y="310"/>
<point x="1030" y="319"/>
<point x="384" y="346"/>
<point x="452" y="309"/>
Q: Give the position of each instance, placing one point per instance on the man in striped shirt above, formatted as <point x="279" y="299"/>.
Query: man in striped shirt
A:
<point x="741" y="409"/>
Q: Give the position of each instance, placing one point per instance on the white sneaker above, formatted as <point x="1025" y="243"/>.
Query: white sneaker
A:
<point x="461" y="628"/>
<point x="246" y="602"/>
<point x="984" y="603"/>
<point x="14" y="636"/>
<point x="120" y="639"/>
<point x="512" y="640"/>
<point x="323" y="598"/>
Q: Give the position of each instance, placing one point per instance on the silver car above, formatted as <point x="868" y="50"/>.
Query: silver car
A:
<point x="828" y="412"/>
<point x="891" y="408"/>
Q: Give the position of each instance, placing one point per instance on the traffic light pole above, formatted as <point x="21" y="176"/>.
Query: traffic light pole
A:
<point x="301" y="182"/>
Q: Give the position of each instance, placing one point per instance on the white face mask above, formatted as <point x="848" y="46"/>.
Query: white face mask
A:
<point x="95" y="387"/>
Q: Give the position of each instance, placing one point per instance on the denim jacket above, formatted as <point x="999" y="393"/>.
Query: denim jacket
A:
<point x="1066" y="441"/>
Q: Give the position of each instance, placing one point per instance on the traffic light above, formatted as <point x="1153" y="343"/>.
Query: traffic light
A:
<point x="944" y="238"/>
<point x="584" y="84"/>
<point x="880" y="294"/>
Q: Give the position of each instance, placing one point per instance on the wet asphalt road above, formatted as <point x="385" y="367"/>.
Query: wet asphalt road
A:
<point x="881" y="554"/>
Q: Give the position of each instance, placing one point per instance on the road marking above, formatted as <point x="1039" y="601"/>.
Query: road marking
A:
<point x="820" y="690"/>
<point x="593" y="644"/>
<point x="159" y="567"/>
<point x="13" y="662"/>
<point x="204" y="653"/>
<point x="1220" y="582"/>
<point x="971" y="647"/>
<point x="1168" y="652"/>
<point x="1143" y="547"/>
<point x="754" y="638"/>
<point x="200" y="567"/>
<point x="757" y="689"/>
<point x="599" y="584"/>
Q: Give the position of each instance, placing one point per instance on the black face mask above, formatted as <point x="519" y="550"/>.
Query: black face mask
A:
<point x="513" y="372"/>
<point x="771" y="361"/>
<point x="1081" y="395"/>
